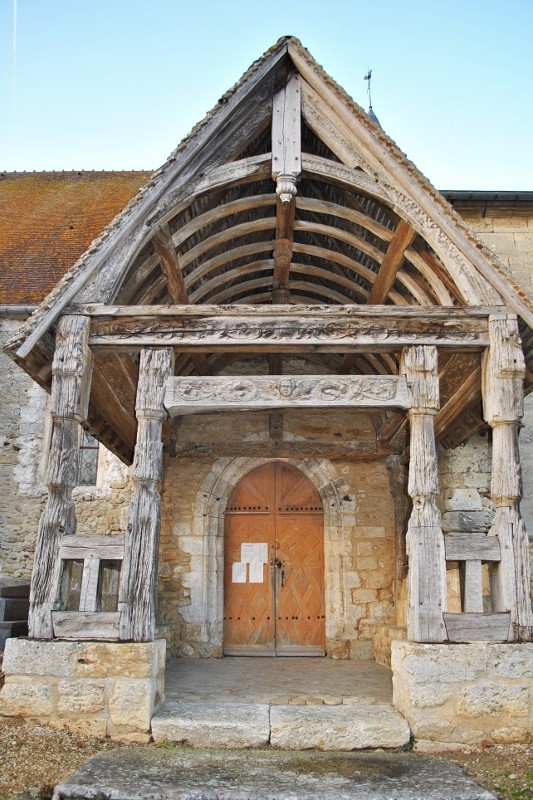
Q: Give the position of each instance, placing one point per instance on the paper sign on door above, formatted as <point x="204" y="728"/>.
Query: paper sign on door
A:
<point x="238" y="572"/>
<point x="256" y="572"/>
<point x="254" y="552"/>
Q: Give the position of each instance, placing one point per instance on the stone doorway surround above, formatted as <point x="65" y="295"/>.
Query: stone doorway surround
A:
<point x="207" y="590"/>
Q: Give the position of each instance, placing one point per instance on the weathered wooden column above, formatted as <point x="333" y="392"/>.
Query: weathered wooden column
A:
<point x="425" y="543"/>
<point x="503" y="403"/>
<point x="71" y="378"/>
<point x="139" y="568"/>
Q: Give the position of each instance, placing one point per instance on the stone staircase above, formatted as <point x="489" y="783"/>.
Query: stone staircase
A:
<point x="357" y="726"/>
<point x="14" y="607"/>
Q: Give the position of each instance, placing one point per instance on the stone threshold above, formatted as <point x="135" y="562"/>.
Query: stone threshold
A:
<point x="345" y="727"/>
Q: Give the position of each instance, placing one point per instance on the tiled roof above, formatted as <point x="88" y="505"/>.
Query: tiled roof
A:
<point x="48" y="219"/>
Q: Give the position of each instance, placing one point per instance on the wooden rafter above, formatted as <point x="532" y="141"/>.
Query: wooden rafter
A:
<point x="391" y="263"/>
<point x="162" y="241"/>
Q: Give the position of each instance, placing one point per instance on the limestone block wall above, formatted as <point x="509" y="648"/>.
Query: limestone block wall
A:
<point x="360" y="532"/>
<point x="22" y="430"/>
<point x="510" y="236"/>
<point x="464" y="693"/>
<point x="92" y="688"/>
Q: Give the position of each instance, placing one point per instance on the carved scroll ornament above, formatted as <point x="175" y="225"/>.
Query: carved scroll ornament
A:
<point x="195" y="395"/>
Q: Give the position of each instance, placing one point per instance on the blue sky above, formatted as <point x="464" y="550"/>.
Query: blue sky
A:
<point x="116" y="84"/>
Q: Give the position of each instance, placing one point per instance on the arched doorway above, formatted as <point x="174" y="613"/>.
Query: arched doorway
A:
<point x="274" y="565"/>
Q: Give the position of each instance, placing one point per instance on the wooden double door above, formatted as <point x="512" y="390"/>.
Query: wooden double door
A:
<point x="274" y="565"/>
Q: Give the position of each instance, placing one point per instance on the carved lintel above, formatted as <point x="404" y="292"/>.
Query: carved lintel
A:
<point x="289" y="328"/>
<point x="193" y="395"/>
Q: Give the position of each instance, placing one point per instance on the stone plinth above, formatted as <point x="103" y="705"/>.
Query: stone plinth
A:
<point x="92" y="688"/>
<point x="464" y="693"/>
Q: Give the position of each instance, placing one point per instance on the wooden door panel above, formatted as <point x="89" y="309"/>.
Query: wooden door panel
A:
<point x="248" y="607"/>
<point x="300" y="617"/>
<point x="275" y="504"/>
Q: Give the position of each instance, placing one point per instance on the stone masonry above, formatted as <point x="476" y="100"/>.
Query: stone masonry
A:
<point x="91" y="688"/>
<point x="464" y="693"/>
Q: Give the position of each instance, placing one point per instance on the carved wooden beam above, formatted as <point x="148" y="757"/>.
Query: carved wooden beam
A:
<point x="289" y="328"/>
<point x="503" y="404"/>
<point x="139" y="569"/>
<point x="391" y="263"/>
<point x="425" y="543"/>
<point x="257" y="392"/>
<point x="71" y="382"/>
<point x="164" y="246"/>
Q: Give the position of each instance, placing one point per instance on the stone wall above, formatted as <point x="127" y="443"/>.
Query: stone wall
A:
<point x="92" y="688"/>
<point x="22" y="431"/>
<point x="465" y="693"/>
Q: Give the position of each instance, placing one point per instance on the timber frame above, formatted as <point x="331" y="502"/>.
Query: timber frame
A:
<point x="286" y="224"/>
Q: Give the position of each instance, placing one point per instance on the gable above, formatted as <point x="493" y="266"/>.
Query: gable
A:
<point x="287" y="193"/>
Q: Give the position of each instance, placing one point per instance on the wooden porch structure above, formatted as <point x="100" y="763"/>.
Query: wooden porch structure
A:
<point x="287" y="224"/>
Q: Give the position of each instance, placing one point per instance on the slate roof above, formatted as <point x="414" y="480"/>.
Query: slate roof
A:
<point x="49" y="219"/>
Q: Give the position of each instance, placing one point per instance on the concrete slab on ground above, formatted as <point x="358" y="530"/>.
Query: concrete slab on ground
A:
<point x="186" y="774"/>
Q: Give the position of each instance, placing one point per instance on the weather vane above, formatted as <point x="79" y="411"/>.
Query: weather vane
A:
<point x="368" y="77"/>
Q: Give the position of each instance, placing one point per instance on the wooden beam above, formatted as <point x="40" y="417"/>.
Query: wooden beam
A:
<point x="288" y="328"/>
<point x="164" y="246"/>
<point x="350" y="451"/>
<point x="391" y="263"/>
<point x="139" y="570"/>
<point x="425" y="543"/>
<point x="467" y="393"/>
<point x="258" y="392"/>
<point x="69" y="404"/>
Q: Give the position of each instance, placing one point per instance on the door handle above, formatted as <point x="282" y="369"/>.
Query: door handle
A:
<point x="279" y="565"/>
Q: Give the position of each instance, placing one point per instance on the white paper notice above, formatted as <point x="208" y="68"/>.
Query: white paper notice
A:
<point x="238" y="572"/>
<point x="254" y="552"/>
<point x="256" y="572"/>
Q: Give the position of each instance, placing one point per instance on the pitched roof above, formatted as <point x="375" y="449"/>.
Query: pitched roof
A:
<point x="287" y="192"/>
<point x="49" y="219"/>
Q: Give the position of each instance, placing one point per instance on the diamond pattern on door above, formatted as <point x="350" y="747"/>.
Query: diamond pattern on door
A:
<point x="278" y="607"/>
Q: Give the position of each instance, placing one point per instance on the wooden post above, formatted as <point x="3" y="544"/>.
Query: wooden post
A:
<point x="503" y="405"/>
<point x="425" y="543"/>
<point x="139" y="568"/>
<point x="71" y="376"/>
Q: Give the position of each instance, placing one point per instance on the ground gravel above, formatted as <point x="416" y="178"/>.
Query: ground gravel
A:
<point x="33" y="759"/>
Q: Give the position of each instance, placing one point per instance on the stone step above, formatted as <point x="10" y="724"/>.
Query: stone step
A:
<point x="182" y="773"/>
<point x="14" y="587"/>
<point x="10" y="629"/>
<point x="13" y="609"/>
<point x="285" y="727"/>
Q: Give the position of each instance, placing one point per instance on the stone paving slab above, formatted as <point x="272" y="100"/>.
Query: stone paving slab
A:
<point x="187" y="774"/>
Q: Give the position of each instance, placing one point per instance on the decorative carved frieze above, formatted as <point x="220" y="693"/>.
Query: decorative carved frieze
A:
<point x="343" y="331"/>
<point x="193" y="395"/>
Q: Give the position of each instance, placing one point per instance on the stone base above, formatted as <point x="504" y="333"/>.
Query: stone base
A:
<point x="92" y="688"/>
<point x="465" y="693"/>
